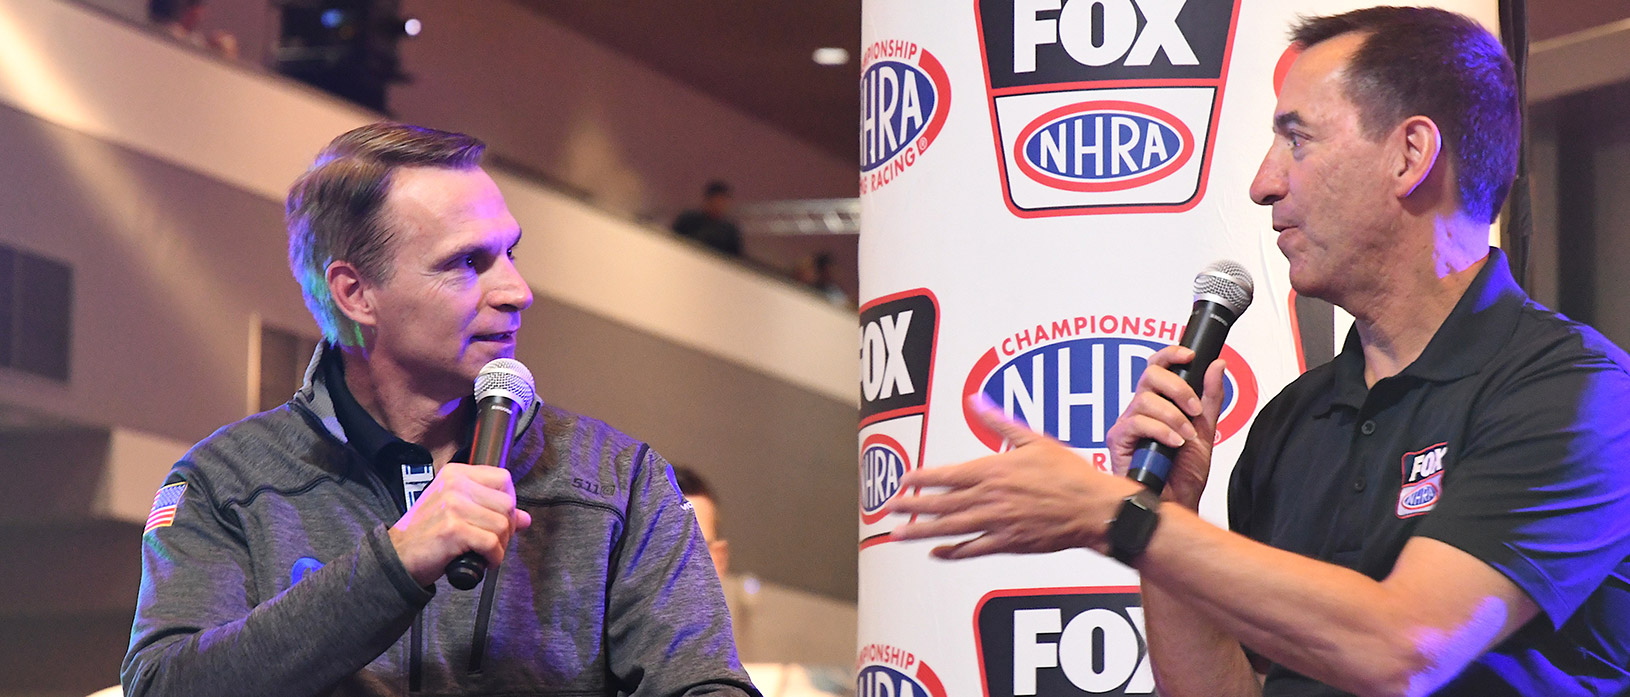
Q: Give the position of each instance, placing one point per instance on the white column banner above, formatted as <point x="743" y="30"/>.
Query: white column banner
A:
<point x="1040" y="182"/>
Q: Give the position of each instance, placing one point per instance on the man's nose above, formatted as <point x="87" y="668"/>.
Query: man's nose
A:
<point x="1269" y="184"/>
<point x="511" y="291"/>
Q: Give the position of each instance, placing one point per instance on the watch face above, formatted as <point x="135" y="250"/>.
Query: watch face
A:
<point x="1129" y="533"/>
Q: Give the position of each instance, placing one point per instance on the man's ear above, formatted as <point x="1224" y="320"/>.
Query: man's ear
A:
<point x="1421" y="144"/>
<point x="350" y="292"/>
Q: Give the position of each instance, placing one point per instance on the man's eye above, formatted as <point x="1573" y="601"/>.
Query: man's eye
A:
<point x="468" y="261"/>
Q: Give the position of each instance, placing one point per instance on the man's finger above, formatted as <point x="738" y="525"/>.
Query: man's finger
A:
<point x="959" y="476"/>
<point x="1175" y="354"/>
<point x="931" y="504"/>
<point x="963" y="549"/>
<point x="488" y="544"/>
<point x="1165" y="384"/>
<point x="945" y="526"/>
<point x="1213" y="398"/>
<point x="496" y="478"/>
<point x="980" y="546"/>
<point x="1140" y="428"/>
<point x="474" y="514"/>
<point x="1011" y="431"/>
<point x="490" y="499"/>
<point x="1153" y="406"/>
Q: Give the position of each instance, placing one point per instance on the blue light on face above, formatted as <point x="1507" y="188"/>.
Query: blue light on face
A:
<point x="333" y="18"/>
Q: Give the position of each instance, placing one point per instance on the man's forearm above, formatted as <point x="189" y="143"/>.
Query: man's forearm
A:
<point x="302" y="642"/>
<point x="1324" y="621"/>
<point x="1189" y="654"/>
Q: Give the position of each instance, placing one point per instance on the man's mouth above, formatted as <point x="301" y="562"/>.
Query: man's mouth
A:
<point x="496" y="336"/>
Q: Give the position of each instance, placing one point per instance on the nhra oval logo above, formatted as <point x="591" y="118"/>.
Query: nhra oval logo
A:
<point x="883" y="461"/>
<point x="905" y="96"/>
<point x="1422" y="497"/>
<point x="892" y="672"/>
<point x="1069" y="380"/>
<point x="1103" y="146"/>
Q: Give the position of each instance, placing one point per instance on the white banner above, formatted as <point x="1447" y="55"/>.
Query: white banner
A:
<point x="1040" y="182"/>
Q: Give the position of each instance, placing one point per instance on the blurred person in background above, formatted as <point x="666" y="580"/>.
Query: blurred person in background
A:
<point x="771" y="671"/>
<point x="181" y="19"/>
<point x="711" y="224"/>
<point x="815" y="271"/>
<point x="706" y="507"/>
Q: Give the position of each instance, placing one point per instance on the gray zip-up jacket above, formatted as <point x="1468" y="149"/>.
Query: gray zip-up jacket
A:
<point x="277" y="576"/>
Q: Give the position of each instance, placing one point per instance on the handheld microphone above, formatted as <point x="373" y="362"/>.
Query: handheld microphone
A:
<point x="1222" y="291"/>
<point x="503" y="392"/>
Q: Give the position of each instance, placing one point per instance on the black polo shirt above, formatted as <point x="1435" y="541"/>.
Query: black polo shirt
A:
<point x="393" y="459"/>
<point x="1507" y="438"/>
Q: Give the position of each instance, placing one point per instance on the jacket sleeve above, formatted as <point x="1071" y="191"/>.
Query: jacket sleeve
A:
<point x="200" y="631"/>
<point x="667" y="628"/>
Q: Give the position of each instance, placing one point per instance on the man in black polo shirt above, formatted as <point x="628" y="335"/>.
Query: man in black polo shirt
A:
<point x="1442" y="509"/>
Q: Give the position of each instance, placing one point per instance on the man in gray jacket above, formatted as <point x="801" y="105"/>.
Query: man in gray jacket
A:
<point x="300" y="551"/>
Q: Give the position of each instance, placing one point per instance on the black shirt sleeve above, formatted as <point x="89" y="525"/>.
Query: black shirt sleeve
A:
<point x="1542" y="490"/>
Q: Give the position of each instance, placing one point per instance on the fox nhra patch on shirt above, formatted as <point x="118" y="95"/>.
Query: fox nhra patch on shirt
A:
<point x="1423" y="480"/>
<point x="165" y="505"/>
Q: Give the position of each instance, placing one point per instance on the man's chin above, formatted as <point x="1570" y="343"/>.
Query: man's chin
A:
<point x="488" y="350"/>
<point x="1308" y="285"/>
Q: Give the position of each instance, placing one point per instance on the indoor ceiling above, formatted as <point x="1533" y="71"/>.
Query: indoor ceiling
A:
<point x="755" y="54"/>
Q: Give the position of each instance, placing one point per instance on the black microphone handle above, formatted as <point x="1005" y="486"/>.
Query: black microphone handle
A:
<point x="494" y="429"/>
<point x="1207" y="329"/>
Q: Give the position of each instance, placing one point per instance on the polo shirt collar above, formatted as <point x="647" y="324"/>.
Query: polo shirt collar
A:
<point x="1348" y="389"/>
<point x="379" y="446"/>
<point x="1475" y="330"/>
<point x="1478" y="326"/>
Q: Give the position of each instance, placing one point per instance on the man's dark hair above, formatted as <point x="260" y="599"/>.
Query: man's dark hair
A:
<point x="1444" y="66"/>
<point x="692" y="484"/>
<point x="335" y="211"/>
<point x="166" y="11"/>
<point x="716" y="188"/>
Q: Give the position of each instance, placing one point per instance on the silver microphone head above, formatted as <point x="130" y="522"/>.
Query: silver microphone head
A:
<point x="1226" y="283"/>
<point x="505" y="377"/>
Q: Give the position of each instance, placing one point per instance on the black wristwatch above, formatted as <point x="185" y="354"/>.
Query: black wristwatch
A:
<point x="1131" y="529"/>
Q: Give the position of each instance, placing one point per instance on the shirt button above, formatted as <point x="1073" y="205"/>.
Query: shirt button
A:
<point x="1358" y="485"/>
<point x="1367" y="428"/>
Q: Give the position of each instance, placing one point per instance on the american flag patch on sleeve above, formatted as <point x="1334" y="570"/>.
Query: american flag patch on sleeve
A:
<point x="164" y="506"/>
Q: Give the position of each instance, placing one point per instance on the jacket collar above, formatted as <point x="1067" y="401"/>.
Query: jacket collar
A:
<point x="315" y="397"/>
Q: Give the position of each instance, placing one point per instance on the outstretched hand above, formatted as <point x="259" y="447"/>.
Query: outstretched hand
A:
<point x="1037" y="497"/>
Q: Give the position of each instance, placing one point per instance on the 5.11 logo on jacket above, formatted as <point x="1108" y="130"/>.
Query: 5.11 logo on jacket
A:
<point x="1104" y="106"/>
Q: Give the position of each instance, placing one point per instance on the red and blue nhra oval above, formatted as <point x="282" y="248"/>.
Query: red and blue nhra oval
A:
<point x="1075" y="389"/>
<point x="903" y="107"/>
<point x="883" y="461"/>
<point x="1421" y="498"/>
<point x="1108" y="145"/>
<point x="876" y="680"/>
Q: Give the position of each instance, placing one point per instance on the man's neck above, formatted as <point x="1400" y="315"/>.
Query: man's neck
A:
<point x="1397" y="321"/>
<point x="386" y="392"/>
